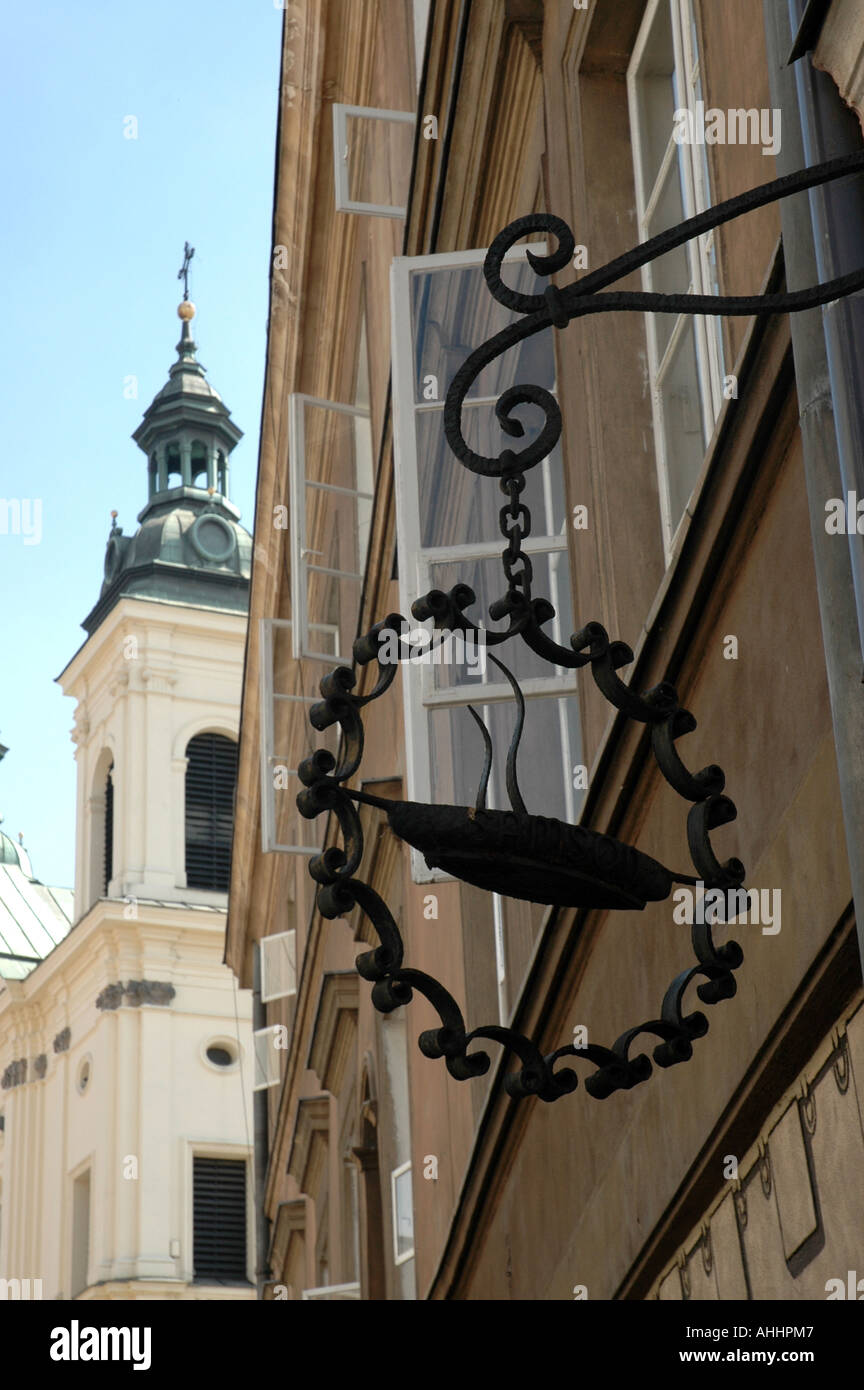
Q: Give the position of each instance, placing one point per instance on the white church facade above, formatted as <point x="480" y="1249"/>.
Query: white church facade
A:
<point x="125" y="1046"/>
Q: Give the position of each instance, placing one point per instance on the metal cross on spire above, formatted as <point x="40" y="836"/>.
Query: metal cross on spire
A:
<point x="183" y="272"/>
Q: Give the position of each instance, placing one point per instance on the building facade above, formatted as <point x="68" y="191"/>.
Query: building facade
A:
<point x="125" y="1152"/>
<point x="690" y="508"/>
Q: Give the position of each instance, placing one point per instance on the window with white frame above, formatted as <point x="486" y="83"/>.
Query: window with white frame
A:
<point x="331" y="511"/>
<point x="372" y="151"/>
<point x="331" y="1293"/>
<point x="448" y="532"/>
<point x="685" y="352"/>
<point x="402" y="1199"/>
<point x="268" y="1050"/>
<point x="288" y="689"/>
<point x="278" y="966"/>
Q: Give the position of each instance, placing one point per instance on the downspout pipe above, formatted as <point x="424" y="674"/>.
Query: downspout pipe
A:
<point x="261" y="1140"/>
<point x="829" y="398"/>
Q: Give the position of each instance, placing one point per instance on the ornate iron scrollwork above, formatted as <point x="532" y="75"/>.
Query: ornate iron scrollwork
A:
<point x="515" y="852"/>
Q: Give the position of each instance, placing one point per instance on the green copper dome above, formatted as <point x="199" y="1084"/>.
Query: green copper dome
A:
<point x="190" y="547"/>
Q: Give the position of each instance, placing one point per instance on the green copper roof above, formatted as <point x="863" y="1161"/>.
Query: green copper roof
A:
<point x="190" y="547"/>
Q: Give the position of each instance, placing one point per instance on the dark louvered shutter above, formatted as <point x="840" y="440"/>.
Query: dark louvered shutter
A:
<point x="108" y="847"/>
<point x="219" y="1215"/>
<point x="210" y="776"/>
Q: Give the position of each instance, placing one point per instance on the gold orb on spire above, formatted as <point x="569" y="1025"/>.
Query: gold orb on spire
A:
<point x="186" y="309"/>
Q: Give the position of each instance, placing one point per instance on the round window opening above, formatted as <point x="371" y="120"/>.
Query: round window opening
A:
<point x="85" y="1072"/>
<point x="213" y="538"/>
<point x="112" y="558"/>
<point x="220" y="1055"/>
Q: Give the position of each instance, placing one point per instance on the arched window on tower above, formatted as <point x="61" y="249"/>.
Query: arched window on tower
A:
<point x="211" y="773"/>
<point x="221" y="474"/>
<point x="153" y="475"/>
<point x="173" y="467"/>
<point x="199" y="464"/>
<point x="108" y="838"/>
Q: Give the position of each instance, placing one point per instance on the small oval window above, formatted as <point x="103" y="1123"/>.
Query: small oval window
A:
<point x="84" y="1072"/>
<point x="219" y="1056"/>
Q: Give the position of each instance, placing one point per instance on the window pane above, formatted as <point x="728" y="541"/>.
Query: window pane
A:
<point x="682" y="423"/>
<point x="453" y="313"/>
<point x="657" y="96"/>
<point x="669" y="274"/>
<point x="379" y="160"/>
<point x="338" y="511"/>
<point x="458" y="507"/>
<point x="295" y="690"/>
<point x="551" y="580"/>
<point x="549" y="751"/>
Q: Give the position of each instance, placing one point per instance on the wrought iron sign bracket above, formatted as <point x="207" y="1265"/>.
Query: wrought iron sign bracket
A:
<point x="516" y="853"/>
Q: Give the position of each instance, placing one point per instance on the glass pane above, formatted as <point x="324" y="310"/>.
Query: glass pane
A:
<point x="669" y="274"/>
<point x="656" y="95"/>
<point x="682" y="423"/>
<point x="456" y="666"/>
<point x="453" y="313"/>
<point x="458" y="507"/>
<point x="547" y="763"/>
<point x="379" y="160"/>
<point x="295" y="690"/>
<point x="403" y="1213"/>
<point x="339" y="448"/>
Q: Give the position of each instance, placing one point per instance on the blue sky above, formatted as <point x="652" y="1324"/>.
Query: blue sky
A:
<point x="90" y="243"/>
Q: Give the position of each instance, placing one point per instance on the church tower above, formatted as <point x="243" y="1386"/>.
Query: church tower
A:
<point x="126" y="1162"/>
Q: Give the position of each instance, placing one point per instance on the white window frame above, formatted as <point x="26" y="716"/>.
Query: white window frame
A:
<point x="300" y="553"/>
<point x="341" y="112"/>
<point x="332" y="1292"/>
<point x="256" y="1070"/>
<point x="420" y="697"/>
<point x="395" y="1175"/>
<point x="272" y="945"/>
<point x="269" y="756"/>
<point x="696" y="199"/>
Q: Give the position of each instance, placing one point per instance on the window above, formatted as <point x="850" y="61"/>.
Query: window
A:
<point x="222" y="1052"/>
<point x="84" y="1075"/>
<point x="403" y="1213"/>
<point x="448" y="532"/>
<point x="332" y="1293"/>
<point x="278" y="966"/>
<point x="80" y="1234"/>
<point x="331" y="512"/>
<point x="264" y="1041"/>
<point x="685" y="352"/>
<point x="288" y="689"/>
<point x="173" y="466"/>
<point x="219" y="1218"/>
<point x="108" y="838"/>
<point x="372" y="159"/>
<point x="198" y="477"/>
<point x="211" y="773"/>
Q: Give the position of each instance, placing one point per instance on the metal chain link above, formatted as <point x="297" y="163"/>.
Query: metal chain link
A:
<point x="510" y="522"/>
